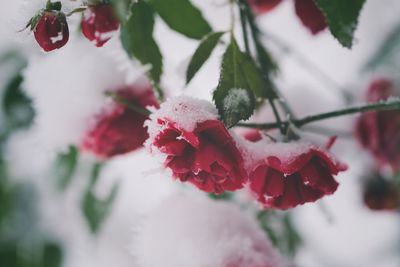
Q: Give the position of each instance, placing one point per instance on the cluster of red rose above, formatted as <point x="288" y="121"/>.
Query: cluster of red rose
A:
<point x="379" y="133"/>
<point x="51" y="30"/>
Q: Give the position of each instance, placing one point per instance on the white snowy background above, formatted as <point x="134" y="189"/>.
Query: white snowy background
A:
<point x="67" y="85"/>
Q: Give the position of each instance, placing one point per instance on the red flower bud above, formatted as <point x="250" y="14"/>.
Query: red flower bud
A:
<point x="380" y="194"/>
<point x="51" y="31"/>
<point x="310" y="15"/>
<point x="294" y="174"/>
<point x="379" y="131"/>
<point x="263" y="6"/>
<point x="98" y="24"/>
<point x="120" y="130"/>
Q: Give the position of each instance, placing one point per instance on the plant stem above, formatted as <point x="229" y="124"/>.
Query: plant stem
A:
<point x="246" y="14"/>
<point x="128" y="103"/>
<point x="244" y="29"/>
<point x="391" y="105"/>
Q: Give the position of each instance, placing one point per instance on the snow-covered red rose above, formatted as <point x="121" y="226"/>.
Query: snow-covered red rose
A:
<point x="99" y="23"/>
<point x="289" y="174"/>
<point x="198" y="147"/>
<point x="379" y="131"/>
<point x="119" y="129"/>
<point x="306" y="10"/>
<point x="51" y="31"/>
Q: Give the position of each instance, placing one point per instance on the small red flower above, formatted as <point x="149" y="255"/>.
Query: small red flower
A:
<point x="51" y="31"/>
<point x="310" y="15"/>
<point x="296" y="174"/>
<point x="263" y="6"/>
<point x="120" y="130"/>
<point x="98" y="24"/>
<point x="381" y="194"/>
<point x="379" y="131"/>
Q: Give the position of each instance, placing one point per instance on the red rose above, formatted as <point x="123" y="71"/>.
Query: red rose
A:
<point x="204" y="154"/>
<point x="263" y="6"/>
<point x="294" y="175"/>
<point x="120" y="130"/>
<point x="310" y="15"/>
<point x="379" y="131"/>
<point x="98" y="24"/>
<point x="51" y="31"/>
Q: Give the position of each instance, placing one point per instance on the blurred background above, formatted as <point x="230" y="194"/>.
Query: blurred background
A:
<point x="60" y="207"/>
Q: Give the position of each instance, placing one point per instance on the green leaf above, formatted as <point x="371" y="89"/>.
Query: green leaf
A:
<point x="388" y="53"/>
<point x="240" y="83"/>
<point x="137" y="40"/>
<point x="16" y="105"/>
<point x="95" y="209"/>
<point x="202" y="53"/>
<point x="182" y="16"/>
<point x="65" y="167"/>
<point x="342" y="18"/>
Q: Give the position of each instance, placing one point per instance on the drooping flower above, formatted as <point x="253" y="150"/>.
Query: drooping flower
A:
<point x="209" y="234"/>
<point x="379" y="131"/>
<point x="119" y="129"/>
<point x="50" y="30"/>
<point x="99" y="23"/>
<point x="306" y="10"/>
<point x="198" y="147"/>
<point x="292" y="174"/>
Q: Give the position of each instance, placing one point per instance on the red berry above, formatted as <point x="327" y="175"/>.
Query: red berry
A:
<point x="310" y="15"/>
<point x="98" y="24"/>
<point x="51" y="31"/>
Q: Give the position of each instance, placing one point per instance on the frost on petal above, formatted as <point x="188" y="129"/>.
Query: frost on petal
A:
<point x="189" y="232"/>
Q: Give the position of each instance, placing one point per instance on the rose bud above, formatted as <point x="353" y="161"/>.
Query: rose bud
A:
<point x="50" y="29"/>
<point x="99" y="23"/>
<point x="198" y="147"/>
<point x="379" y="131"/>
<point x="119" y="129"/>
<point x="381" y="194"/>
<point x="291" y="174"/>
<point x="263" y="6"/>
<point x="310" y="15"/>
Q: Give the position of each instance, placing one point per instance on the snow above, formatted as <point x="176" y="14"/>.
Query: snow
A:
<point x="185" y="111"/>
<point x="236" y="98"/>
<point x="185" y="231"/>
<point x="67" y="88"/>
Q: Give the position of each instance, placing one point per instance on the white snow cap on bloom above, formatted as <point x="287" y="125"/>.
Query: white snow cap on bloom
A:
<point x="198" y="232"/>
<point x="67" y="88"/>
<point x="186" y="111"/>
